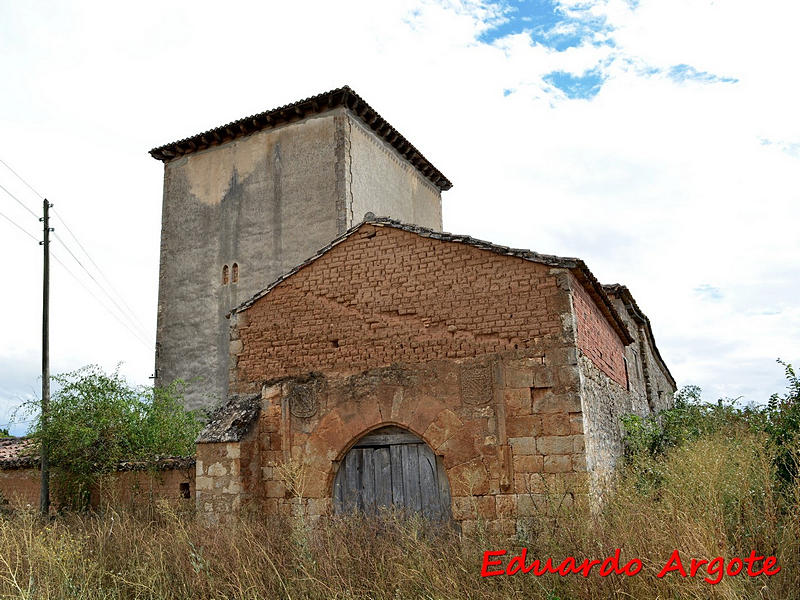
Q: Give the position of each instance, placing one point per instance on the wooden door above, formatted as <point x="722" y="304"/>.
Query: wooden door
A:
<point x="392" y="468"/>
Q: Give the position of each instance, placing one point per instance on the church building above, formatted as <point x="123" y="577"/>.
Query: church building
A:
<point x="359" y="358"/>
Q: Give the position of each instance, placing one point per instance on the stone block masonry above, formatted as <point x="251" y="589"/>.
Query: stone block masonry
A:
<point x="508" y="366"/>
<point x="500" y="455"/>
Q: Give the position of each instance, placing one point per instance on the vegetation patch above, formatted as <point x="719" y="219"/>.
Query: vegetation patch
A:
<point x="98" y="420"/>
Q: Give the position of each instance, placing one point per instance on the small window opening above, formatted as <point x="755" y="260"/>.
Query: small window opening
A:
<point x="627" y="378"/>
<point x="185" y="491"/>
<point x="335" y="343"/>
<point x="225" y="275"/>
<point x="235" y="273"/>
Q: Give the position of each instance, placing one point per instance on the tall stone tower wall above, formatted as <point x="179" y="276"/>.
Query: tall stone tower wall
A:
<point x="237" y="214"/>
<point x="384" y="183"/>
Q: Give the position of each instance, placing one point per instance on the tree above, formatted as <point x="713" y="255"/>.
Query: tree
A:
<point x="97" y="420"/>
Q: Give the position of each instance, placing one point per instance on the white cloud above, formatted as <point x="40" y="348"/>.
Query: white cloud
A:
<point x="659" y="184"/>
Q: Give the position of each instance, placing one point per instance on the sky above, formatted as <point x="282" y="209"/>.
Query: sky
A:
<point x="658" y="140"/>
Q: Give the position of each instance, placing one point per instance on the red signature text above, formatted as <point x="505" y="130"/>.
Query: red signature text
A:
<point x="712" y="570"/>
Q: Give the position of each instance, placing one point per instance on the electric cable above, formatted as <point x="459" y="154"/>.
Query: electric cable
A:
<point x="18" y="226"/>
<point x="20" y="202"/>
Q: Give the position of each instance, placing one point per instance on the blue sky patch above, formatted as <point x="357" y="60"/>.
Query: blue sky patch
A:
<point x="546" y="23"/>
<point x="681" y="73"/>
<point x="584" y="86"/>
<point x="708" y="292"/>
<point x="790" y="148"/>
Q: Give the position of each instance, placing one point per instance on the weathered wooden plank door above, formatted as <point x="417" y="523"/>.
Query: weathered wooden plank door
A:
<point x="392" y="468"/>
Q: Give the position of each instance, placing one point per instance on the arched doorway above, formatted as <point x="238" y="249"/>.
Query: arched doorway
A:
<point x="392" y="468"/>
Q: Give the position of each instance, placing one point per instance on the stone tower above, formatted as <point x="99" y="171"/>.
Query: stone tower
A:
<point x="246" y="202"/>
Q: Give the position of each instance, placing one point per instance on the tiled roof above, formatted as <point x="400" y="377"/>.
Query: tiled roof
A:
<point x="340" y="97"/>
<point x="575" y="265"/>
<point x="15" y="453"/>
<point x="231" y="421"/>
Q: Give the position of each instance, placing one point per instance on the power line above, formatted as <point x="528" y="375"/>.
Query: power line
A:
<point x="20" y="202"/>
<point x="131" y="313"/>
<point x="18" y="176"/>
<point x="102" y="289"/>
<point x="138" y="330"/>
<point x="101" y="303"/>
<point x="18" y="226"/>
<point x="138" y="335"/>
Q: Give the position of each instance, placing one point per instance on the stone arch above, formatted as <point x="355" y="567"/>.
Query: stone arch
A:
<point x="371" y="429"/>
<point x="427" y="417"/>
<point x="392" y="467"/>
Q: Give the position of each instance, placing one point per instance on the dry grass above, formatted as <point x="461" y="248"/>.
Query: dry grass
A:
<point x="716" y="499"/>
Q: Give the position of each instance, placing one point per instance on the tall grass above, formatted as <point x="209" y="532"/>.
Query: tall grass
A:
<point x="712" y="497"/>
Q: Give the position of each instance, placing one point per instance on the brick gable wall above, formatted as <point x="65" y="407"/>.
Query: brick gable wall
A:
<point x="385" y="295"/>
<point x="596" y="338"/>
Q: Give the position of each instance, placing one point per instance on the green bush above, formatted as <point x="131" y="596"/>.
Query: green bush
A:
<point x="97" y="420"/>
<point x="782" y="424"/>
<point x="647" y="438"/>
<point x="689" y="419"/>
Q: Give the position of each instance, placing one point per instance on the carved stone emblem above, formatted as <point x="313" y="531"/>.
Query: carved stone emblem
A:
<point x="476" y="384"/>
<point x="302" y="400"/>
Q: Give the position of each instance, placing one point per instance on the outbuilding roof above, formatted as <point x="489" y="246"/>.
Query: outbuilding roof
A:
<point x="340" y="97"/>
<point x="231" y="421"/>
<point x="19" y="453"/>
<point x="576" y="266"/>
<point x="15" y="453"/>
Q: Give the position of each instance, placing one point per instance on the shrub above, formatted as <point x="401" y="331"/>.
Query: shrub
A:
<point x="688" y="419"/>
<point x="691" y="419"/>
<point x="97" y="420"/>
<point x="782" y="424"/>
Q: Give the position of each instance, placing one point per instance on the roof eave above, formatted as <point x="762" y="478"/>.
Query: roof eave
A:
<point x="638" y="315"/>
<point x="601" y="299"/>
<point x="341" y="97"/>
<point x="575" y="265"/>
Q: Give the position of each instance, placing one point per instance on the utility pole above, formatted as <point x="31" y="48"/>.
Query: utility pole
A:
<point x="44" y="495"/>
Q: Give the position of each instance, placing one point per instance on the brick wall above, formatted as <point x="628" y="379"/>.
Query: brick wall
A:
<point x="134" y="488"/>
<point x="385" y="295"/>
<point x="596" y="338"/>
<point x="130" y="488"/>
<point x="473" y="351"/>
<point x="20" y="487"/>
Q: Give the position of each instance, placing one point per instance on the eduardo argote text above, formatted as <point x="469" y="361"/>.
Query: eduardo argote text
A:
<point x="712" y="571"/>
